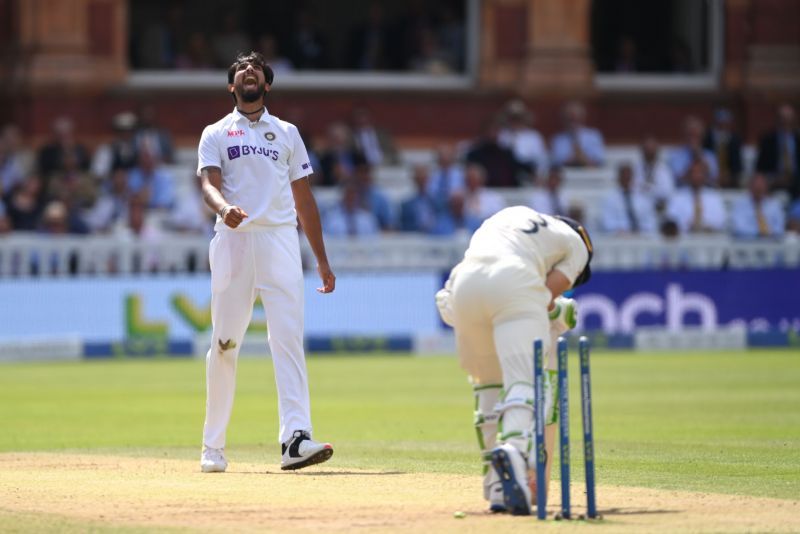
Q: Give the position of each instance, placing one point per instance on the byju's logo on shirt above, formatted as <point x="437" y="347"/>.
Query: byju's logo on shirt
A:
<point x="237" y="151"/>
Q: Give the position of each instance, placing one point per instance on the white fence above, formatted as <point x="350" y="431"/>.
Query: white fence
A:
<point x="29" y="255"/>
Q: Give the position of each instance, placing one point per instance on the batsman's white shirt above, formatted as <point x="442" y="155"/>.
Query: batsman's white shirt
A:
<point x="499" y="294"/>
<point x="260" y="258"/>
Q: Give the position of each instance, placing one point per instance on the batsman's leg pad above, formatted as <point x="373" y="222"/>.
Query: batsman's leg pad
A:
<point x="516" y="417"/>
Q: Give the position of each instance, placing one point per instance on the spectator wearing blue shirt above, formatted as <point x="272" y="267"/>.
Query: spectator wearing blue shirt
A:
<point x="447" y="177"/>
<point x="682" y="157"/>
<point x="577" y="145"/>
<point x="756" y="214"/>
<point x="420" y="212"/>
<point x="150" y="180"/>
<point x="372" y="198"/>
<point x="793" y="218"/>
<point x="779" y="153"/>
<point x="348" y="218"/>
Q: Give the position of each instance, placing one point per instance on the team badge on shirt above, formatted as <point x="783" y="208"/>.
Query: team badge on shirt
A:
<point x="270" y="136"/>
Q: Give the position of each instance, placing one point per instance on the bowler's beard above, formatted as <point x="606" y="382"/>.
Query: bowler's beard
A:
<point x="250" y="95"/>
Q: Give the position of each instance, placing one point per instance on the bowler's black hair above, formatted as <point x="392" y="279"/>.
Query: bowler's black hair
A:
<point x="256" y="60"/>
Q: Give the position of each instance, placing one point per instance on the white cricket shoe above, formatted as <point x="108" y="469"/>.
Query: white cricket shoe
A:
<point x="213" y="460"/>
<point x="493" y="491"/>
<point x="512" y="468"/>
<point x="301" y="451"/>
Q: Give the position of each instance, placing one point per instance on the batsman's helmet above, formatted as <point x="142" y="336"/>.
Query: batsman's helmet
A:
<point x="586" y="274"/>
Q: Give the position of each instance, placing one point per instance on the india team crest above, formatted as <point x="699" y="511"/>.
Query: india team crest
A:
<point x="270" y="136"/>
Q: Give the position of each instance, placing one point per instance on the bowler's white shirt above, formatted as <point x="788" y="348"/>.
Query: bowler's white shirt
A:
<point x="540" y="241"/>
<point x="259" y="160"/>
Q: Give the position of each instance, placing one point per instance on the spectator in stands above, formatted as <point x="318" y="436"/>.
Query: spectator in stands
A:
<point x="308" y="49"/>
<point x="228" y="39"/>
<point x="550" y="199"/>
<point x="374" y="143"/>
<point x="338" y="152"/>
<point x="779" y="153"/>
<point x="152" y="137"/>
<point x="652" y="176"/>
<point x="51" y="156"/>
<point x="627" y="210"/>
<point x="446" y="178"/>
<point x="525" y="142"/>
<point x="696" y="207"/>
<point x="420" y="212"/>
<point x="141" y="228"/>
<point x="158" y="43"/>
<point x="348" y="218"/>
<point x="152" y="181"/>
<point x="58" y="219"/>
<point x="502" y="168"/>
<point x="577" y="145"/>
<point x="120" y="153"/>
<point x="682" y="157"/>
<point x="451" y="35"/>
<point x="372" y="198"/>
<point x="793" y="217"/>
<point x="480" y="203"/>
<point x="190" y="214"/>
<point x="5" y="222"/>
<point x="25" y="204"/>
<point x="75" y="188"/>
<point x="111" y="207"/>
<point x="196" y="53"/>
<point x="726" y="144"/>
<point x="627" y="58"/>
<point x="268" y="46"/>
<point x="430" y="58"/>
<point x="13" y="165"/>
<point x="369" y="43"/>
<point x="755" y="213"/>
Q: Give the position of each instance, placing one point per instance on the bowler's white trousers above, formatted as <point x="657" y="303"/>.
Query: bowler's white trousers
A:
<point x="245" y="265"/>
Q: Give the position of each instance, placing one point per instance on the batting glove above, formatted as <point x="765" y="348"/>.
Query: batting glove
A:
<point x="564" y="315"/>
<point x="444" y="304"/>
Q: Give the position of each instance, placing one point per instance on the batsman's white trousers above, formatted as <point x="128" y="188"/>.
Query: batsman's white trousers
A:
<point x="500" y="308"/>
<point x="245" y="265"/>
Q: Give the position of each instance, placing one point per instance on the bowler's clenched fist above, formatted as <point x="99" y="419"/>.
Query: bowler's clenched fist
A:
<point x="232" y="215"/>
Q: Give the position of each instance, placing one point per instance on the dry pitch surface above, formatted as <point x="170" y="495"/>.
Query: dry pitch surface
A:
<point x="85" y="492"/>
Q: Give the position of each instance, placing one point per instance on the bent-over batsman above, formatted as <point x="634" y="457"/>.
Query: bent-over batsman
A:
<point x="505" y="294"/>
<point x="253" y="168"/>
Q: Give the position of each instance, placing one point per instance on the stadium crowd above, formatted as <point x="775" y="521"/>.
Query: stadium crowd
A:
<point x="424" y="37"/>
<point x="133" y="186"/>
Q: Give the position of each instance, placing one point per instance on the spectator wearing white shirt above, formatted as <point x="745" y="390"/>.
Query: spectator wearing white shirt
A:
<point x="682" y="157"/>
<point x="524" y="141"/>
<point x="577" y="145"/>
<point x="697" y="208"/>
<point x="755" y="213"/>
<point x="550" y="199"/>
<point x="652" y="176"/>
<point x="627" y="210"/>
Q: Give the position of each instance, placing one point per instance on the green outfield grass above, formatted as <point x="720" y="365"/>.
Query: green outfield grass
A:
<point x="717" y="422"/>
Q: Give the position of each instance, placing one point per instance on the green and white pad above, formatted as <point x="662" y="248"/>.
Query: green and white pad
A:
<point x="486" y="418"/>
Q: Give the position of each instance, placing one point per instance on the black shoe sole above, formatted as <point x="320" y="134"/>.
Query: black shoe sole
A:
<point x="322" y="456"/>
<point x="513" y="495"/>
